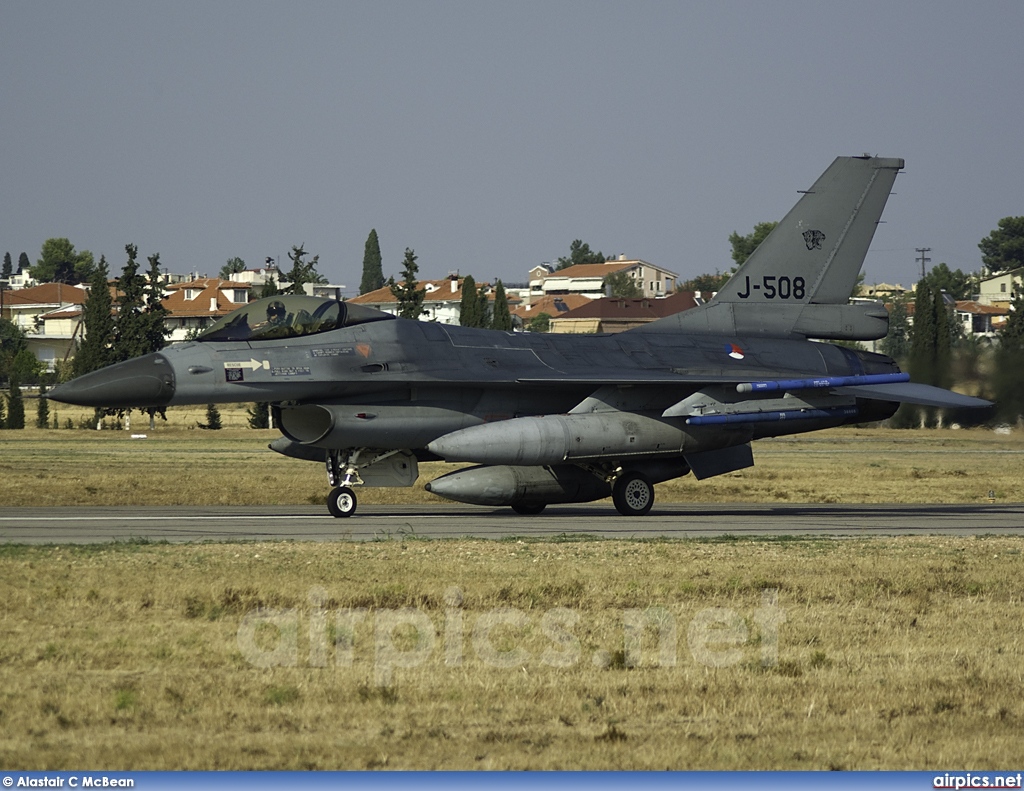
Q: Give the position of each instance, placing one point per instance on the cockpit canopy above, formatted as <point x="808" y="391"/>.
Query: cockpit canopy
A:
<point x="288" y="316"/>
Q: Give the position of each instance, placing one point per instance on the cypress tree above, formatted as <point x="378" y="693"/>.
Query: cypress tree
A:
<point x="269" y="289"/>
<point x="8" y="267"/>
<point x="896" y="343"/>
<point x="131" y="333"/>
<point x="155" y="314"/>
<point x="259" y="415"/>
<point x="302" y="271"/>
<point x="922" y="347"/>
<point x="43" y="409"/>
<point x="96" y="347"/>
<point x="212" y="418"/>
<point x="1008" y="373"/>
<point x="469" y="307"/>
<point x="483" y="305"/>
<point x="23" y="262"/>
<point x="501" y="319"/>
<point x="942" y="376"/>
<point x="373" y="271"/>
<point x="410" y="299"/>
<point x="15" y="404"/>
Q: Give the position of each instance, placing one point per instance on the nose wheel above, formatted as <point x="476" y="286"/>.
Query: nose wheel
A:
<point x="341" y="502"/>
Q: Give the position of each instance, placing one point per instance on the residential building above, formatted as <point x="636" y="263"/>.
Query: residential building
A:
<point x="27" y="308"/>
<point x="588" y="279"/>
<point x="195" y="304"/>
<point x="1001" y="289"/>
<point x="616" y="314"/>
<point x="524" y="313"/>
<point x="443" y="301"/>
<point x="980" y="320"/>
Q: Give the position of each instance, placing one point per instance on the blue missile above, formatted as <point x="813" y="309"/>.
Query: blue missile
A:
<point x="767" y="417"/>
<point x="825" y="381"/>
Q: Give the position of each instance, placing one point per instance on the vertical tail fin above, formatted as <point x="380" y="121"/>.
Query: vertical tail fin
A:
<point x="799" y="280"/>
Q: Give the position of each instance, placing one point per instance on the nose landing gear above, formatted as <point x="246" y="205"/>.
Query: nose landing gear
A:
<point x="341" y="502"/>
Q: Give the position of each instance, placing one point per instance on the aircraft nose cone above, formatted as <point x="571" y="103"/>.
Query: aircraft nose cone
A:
<point x="146" y="381"/>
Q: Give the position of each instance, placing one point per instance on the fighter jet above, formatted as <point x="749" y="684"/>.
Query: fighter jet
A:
<point x="554" y="418"/>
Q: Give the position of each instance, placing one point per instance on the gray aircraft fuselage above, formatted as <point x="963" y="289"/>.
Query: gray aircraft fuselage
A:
<point x="560" y="418"/>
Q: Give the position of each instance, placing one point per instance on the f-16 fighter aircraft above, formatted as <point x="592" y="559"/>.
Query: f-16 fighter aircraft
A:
<point x="557" y="418"/>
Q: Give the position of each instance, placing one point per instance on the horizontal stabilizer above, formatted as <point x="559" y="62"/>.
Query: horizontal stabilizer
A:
<point x="914" y="393"/>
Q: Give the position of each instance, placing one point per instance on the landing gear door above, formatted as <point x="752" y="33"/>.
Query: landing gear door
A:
<point x="398" y="469"/>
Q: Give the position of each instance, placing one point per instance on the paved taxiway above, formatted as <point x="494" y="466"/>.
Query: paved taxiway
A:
<point x="311" y="523"/>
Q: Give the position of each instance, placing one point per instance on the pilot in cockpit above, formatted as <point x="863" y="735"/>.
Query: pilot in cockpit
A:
<point x="276" y="318"/>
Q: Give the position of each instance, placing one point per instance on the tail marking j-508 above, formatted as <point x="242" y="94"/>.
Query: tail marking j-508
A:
<point x="825" y="381"/>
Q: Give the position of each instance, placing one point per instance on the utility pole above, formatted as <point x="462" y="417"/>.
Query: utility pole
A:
<point x="922" y="259"/>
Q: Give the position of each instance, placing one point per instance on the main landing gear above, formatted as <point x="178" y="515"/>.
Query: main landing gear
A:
<point x="633" y="494"/>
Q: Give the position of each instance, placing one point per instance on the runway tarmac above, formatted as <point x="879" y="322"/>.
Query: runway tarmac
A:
<point x="383" y="523"/>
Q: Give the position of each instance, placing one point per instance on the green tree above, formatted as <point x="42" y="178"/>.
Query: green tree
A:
<point x="302" y="271"/>
<point x="580" y="253"/>
<point x="26" y="367"/>
<point x="130" y="338"/>
<point x="957" y="284"/>
<point x="1003" y="249"/>
<point x="621" y="285"/>
<point x="23" y="263"/>
<point x="896" y="343"/>
<point x="744" y="246"/>
<point x="930" y="347"/>
<point x="410" y="298"/>
<point x="213" y="421"/>
<point x="154" y="313"/>
<point x="42" y="409"/>
<point x="59" y="262"/>
<point x="12" y="341"/>
<point x="501" y="318"/>
<point x="540" y="323"/>
<point x="923" y="337"/>
<point x="1008" y="376"/>
<point x="8" y="269"/>
<point x="15" y="404"/>
<point x="259" y="415"/>
<point x="95" y="350"/>
<point x="706" y="284"/>
<point x="269" y="289"/>
<point x="471" y="313"/>
<point x="373" y="271"/>
<point x="232" y="267"/>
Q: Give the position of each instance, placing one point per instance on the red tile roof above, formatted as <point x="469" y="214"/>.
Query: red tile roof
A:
<point x="209" y="288"/>
<point x="46" y="294"/>
<point x="637" y="309"/>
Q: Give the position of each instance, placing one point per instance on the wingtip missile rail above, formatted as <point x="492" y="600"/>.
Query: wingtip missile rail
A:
<point x="769" y="417"/>
<point x="821" y="382"/>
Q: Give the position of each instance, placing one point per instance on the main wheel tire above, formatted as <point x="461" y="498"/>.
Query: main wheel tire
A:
<point x="341" y="502"/>
<point x="633" y="494"/>
<point x="528" y="510"/>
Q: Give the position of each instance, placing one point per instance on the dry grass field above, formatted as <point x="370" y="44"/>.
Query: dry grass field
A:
<point x="762" y="654"/>
<point x="178" y="464"/>
<point x="894" y="654"/>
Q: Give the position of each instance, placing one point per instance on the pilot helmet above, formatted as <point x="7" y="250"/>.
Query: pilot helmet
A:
<point x="275" y="310"/>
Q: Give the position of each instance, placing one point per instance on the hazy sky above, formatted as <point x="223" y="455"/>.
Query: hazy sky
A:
<point x="489" y="135"/>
